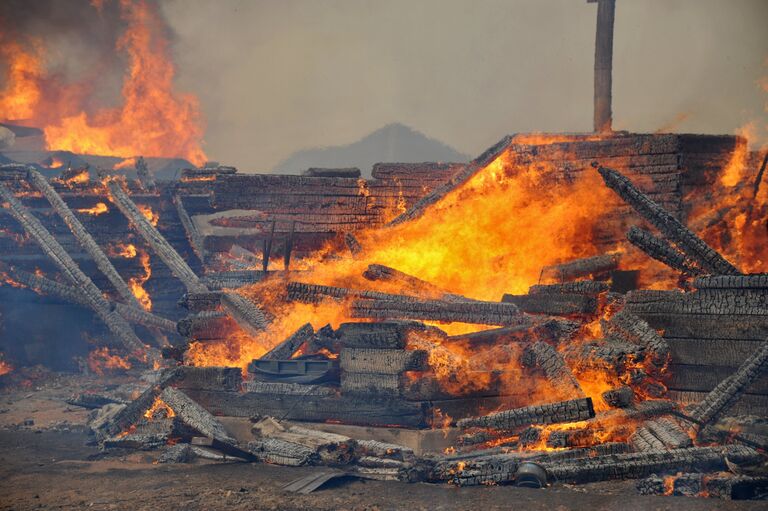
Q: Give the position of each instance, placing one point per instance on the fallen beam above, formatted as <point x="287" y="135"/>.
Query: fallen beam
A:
<point x="484" y="313"/>
<point x="631" y="328"/>
<point x="550" y="363"/>
<point x="553" y="413"/>
<point x="585" y="267"/>
<point x="690" y="244"/>
<point x="660" y="250"/>
<point x="288" y="347"/>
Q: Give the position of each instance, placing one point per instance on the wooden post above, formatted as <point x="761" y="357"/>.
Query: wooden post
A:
<point x="603" y="64"/>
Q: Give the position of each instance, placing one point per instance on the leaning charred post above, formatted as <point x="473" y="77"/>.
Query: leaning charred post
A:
<point x="662" y="251"/>
<point x="509" y="420"/>
<point x="69" y="267"/>
<point x="546" y="359"/>
<point x="693" y="246"/>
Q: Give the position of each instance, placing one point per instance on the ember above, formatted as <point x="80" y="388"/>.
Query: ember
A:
<point x="100" y="360"/>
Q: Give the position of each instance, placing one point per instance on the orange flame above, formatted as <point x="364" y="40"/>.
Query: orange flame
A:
<point x="149" y="214"/>
<point x="161" y="407"/>
<point x="127" y="163"/>
<point x="137" y="283"/>
<point x="5" y="367"/>
<point x="99" y="209"/>
<point x="153" y="119"/>
<point x="101" y="360"/>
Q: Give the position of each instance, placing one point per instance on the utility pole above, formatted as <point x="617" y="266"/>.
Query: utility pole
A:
<point x="603" y="64"/>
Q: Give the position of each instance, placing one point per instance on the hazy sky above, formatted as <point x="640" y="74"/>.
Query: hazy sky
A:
<point x="281" y="75"/>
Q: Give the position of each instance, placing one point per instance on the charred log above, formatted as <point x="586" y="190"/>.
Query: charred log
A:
<point x="509" y="420"/>
<point x="584" y="287"/>
<point x="484" y="313"/>
<point x="288" y="347"/>
<point x="596" y="265"/>
<point x="546" y="359"/>
<point x="631" y="328"/>
<point x="660" y="250"/>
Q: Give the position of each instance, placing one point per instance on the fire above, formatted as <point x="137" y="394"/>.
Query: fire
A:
<point x="149" y="214"/>
<point x="153" y="118"/>
<point x="77" y="178"/>
<point x="137" y="283"/>
<point x="101" y="360"/>
<point x="5" y="367"/>
<point x="159" y="407"/>
<point x="99" y="209"/>
<point x="127" y="251"/>
<point x="56" y="163"/>
<point x="127" y="163"/>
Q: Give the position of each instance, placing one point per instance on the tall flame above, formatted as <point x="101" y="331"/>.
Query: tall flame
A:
<point x="153" y="119"/>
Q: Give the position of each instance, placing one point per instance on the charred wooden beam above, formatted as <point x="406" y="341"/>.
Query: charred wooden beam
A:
<point x="152" y="236"/>
<point x="352" y="244"/>
<point x="620" y="397"/>
<point x="604" y="65"/>
<point x="201" y="301"/>
<point x="612" y="356"/>
<point x="207" y="378"/>
<point x="231" y="279"/>
<point x="595" y="265"/>
<point x="382" y="361"/>
<point x="39" y="284"/>
<point x="386" y="450"/>
<point x="669" y="431"/>
<point x="193" y="235"/>
<point x="206" y="326"/>
<point x="546" y="359"/>
<point x="564" y="304"/>
<point x="281" y="452"/>
<point x="116" y="323"/>
<point x="509" y="420"/>
<point x="412" y="284"/>
<point x="585" y="287"/>
<point x="660" y="250"/>
<point x="380" y="335"/>
<point x="327" y="447"/>
<point x="693" y="246"/>
<point x="484" y="313"/>
<point x="288" y="248"/>
<point x="643" y="440"/>
<point x="725" y="395"/>
<point x="245" y="313"/>
<point x="288" y="347"/>
<point x="642" y="464"/>
<point x="756" y="281"/>
<point x="631" y="328"/>
<point x="315" y="293"/>
<point x="83" y="237"/>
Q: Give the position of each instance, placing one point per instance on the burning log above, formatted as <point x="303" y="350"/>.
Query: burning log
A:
<point x="509" y="420"/>
<point x="621" y="397"/>
<point x="245" y="313"/>
<point x="544" y="357"/>
<point x="352" y="244"/>
<point x="413" y="284"/>
<point x="756" y="281"/>
<point x="327" y="447"/>
<point x="641" y="464"/>
<point x="241" y="253"/>
<point x="72" y="294"/>
<point x="288" y="347"/>
<point x="381" y="335"/>
<point x="315" y="293"/>
<point x="669" y="432"/>
<point x="83" y="237"/>
<point x="602" y="355"/>
<point x="584" y="287"/>
<point x="484" y="313"/>
<point x="631" y="328"/>
<point x="722" y="486"/>
<point x="691" y="245"/>
<point x="571" y="270"/>
<point x="662" y="251"/>
<point x="152" y="236"/>
<point x="383" y="361"/>
<point x="725" y="395"/>
<point x="231" y="279"/>
<point x="205" y="326"/>
<point x="207" y="378"/>
<point x="69" y="267"/>
<point x="193" y="235"/>
<point x="385" y="450"/>
<point x="561" y="304"/>
<point x="201" y="301"/>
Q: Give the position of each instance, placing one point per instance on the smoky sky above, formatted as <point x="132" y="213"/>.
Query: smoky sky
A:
<point x="277" y="76"/>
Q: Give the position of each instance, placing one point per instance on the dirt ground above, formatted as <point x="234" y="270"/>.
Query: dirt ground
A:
<point x="46" y="462"/>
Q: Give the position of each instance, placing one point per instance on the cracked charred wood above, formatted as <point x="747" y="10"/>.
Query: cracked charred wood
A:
<point x="620" y="397"/>
<point x="267" y="251"/>
<point x="660" y="250"/>
<point x="484" y="313"/>
<point x="280" y="452"/>
<point x="478" y="437"/>
<point x="315" y="293"/>
<point x="669" y="431"/>
<point x="152" y="236"/>
<point x="201" y="301"/>
<point x="73" y="295"/>
<point x="93" y="401"/>
<point x="581" y="437"/>
<point x="206" y="326"/>
<point x="231" y="279"/>
<point x="380" y="335"/>
<point x="552" y="330"/>
<point x="96" y="301"/>
<point x="382" y="361"/>
<point x="633" y="329"/>
<point x="193" y="235"/>
<point x="584" y="287"/>
<point x="83" y="237"/>
<point x="552" y="413"/>
<point x="561" y="304"/>
<point x="612" y="356"/>
<point x="327" y="447"/>
<point x="752" y="302"/>
<point x="585" y="267"/>
<point x="386" y="450"/>
<point x="413" y="284"/>
<point x="642" y="464"/>
<point x="288" y="347"/>
<point x="352" y="244"/>
<point x="207" y="378"/>
<point x="725" y="394"/>
<point x="239" y="252"/>
<point x="688" y="242"/>
<point x="546" y="359"/>
<point x="245" y="313"/>
<point x="288" y="389"/>
<point x="755" y="281"/>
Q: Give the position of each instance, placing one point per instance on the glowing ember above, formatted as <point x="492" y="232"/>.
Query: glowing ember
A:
<point x="149" y="214"/>
<point x="101" y="360"/>
<point x="55" y="163"/>
<point x="159" y="408"/>
<point x="153" y="119"/>
<point x="99" y="209"/>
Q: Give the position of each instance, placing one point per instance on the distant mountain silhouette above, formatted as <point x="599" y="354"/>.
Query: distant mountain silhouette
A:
<point x="392" y="143"/>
